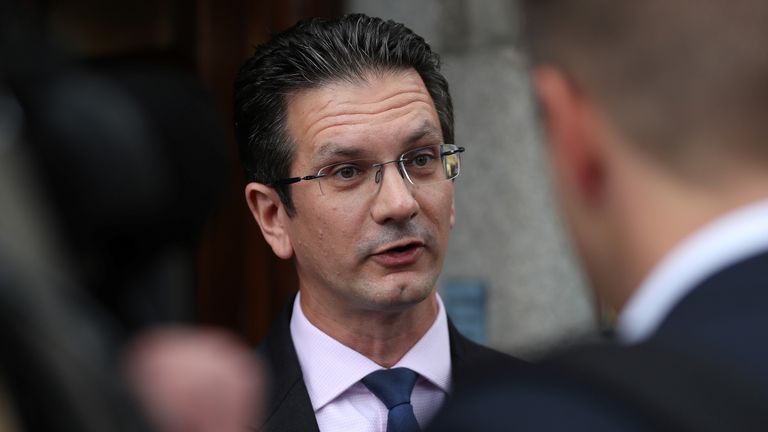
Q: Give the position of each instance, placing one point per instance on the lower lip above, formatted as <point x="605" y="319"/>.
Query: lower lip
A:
<point x="399" y="259"/>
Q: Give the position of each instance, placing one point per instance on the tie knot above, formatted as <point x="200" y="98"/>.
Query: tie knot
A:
<point x="391" y="386"/>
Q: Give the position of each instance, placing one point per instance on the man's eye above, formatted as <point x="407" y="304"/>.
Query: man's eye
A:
<point x="422" y="160"/>
<point x="346" y="172"/>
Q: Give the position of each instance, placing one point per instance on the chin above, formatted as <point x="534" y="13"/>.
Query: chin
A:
<point x="400" y="296"/>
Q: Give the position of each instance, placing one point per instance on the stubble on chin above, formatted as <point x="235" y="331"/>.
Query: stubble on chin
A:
<point x="391" y="292"/>
<point x="396" y="291"/>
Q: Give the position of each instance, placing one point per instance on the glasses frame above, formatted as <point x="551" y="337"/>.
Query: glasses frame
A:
<point x="377" y="178"/>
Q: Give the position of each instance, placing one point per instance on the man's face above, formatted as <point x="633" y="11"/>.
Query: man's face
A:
<point x="380" y="251"/>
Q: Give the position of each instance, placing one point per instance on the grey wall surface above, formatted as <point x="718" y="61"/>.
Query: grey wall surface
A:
<point x="507" y="233"/>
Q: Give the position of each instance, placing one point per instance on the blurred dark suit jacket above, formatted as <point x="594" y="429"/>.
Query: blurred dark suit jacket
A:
<point x="706" y="368"/>
<point x="291" y="410"/>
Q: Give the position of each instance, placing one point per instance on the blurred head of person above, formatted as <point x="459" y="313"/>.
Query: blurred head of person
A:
<point x="655" y="114"/>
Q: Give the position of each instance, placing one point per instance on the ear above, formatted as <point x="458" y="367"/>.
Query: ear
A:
<point x="453" y="212"/>
<point x="571" y="125"/>
<point x="269" y="212"/>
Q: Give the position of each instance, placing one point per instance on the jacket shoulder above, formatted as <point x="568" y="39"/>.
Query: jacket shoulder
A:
<point x="471" y="361"/>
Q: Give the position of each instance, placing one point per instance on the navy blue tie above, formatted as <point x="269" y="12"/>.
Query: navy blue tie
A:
<point x="394" y="387"/>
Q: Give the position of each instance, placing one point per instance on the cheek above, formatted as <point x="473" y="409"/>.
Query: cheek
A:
<point x="438" y="207"/>
<point x="335" y="229"/>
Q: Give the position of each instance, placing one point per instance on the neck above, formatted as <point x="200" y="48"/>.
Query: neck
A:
<point x="384" y="336"/>
<point x="661" y="212"/>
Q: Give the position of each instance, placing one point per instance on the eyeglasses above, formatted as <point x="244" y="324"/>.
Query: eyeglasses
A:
<point x="420" y="166"/>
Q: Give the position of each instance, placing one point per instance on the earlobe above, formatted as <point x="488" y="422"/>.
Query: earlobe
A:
<point x="269" y="212"/>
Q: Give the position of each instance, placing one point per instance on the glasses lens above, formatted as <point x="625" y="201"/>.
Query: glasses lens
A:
<point x="346" y="177"/>
<point x="432" y="163"/>
<point x="451" y="161"/>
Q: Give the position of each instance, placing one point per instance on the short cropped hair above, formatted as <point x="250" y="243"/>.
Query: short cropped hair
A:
<point x="675" y="76"/>
<point x="310" y="55"/>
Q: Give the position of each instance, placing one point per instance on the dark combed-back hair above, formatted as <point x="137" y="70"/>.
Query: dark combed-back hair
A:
<point x="676" y="76"/>
<point x="311" y="54"/>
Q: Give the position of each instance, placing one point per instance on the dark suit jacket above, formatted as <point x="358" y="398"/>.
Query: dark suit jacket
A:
<point x="291" y="410"/>
<point x="706" y="368"/>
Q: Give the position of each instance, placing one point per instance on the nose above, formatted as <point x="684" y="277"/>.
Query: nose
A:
<point x="394" y="201"/>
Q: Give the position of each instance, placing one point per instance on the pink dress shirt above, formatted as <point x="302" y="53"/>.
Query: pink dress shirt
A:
<point x="332" y="373"/>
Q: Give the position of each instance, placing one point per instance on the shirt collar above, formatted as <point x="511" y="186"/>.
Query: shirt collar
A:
<point x="721" y="243"/>
<point x="431" y="356"/>
<point x="330" y="367"/>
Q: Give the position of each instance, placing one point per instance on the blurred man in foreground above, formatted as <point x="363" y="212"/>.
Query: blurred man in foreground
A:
<point x="346" y="131"/>
<point x="102" y="202"/>
<point x="656" y="117"/>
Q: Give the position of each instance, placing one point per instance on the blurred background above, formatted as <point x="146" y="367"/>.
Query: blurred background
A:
<point x="510" y="278"/>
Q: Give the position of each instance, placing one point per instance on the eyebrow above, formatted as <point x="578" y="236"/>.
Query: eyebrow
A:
<point x="332" y="150"/>
<point x="425" y="130"/>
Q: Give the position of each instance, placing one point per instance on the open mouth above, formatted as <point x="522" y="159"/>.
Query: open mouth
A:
<point x="401" y="255"/>
<point x="403" y="248"/>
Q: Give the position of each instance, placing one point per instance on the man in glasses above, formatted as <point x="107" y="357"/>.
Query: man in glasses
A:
<point x="346" y="131"/>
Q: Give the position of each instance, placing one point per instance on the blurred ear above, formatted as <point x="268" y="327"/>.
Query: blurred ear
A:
<point x="571" y="125"/>
<point x="269" y="212"/>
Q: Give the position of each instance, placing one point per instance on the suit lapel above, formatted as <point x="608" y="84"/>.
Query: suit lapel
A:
<point x="290" y="409"/>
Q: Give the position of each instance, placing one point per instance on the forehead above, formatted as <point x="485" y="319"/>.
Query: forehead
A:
<point x="386" y="111"/>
